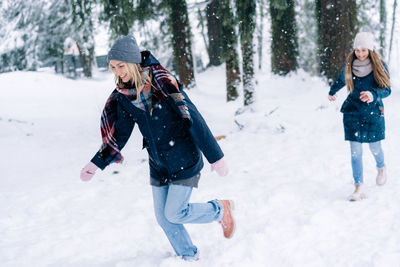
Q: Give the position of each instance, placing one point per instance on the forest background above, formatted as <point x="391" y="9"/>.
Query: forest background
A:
<point x="190" y="36"/>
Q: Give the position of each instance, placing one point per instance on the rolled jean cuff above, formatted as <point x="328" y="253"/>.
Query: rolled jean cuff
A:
<point x="219" y="209"/>
<point x="195" y="257"/>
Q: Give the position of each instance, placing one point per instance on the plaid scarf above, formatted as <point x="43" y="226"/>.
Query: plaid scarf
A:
<point x="164" y="85"/>
<point x="145" y="90"/>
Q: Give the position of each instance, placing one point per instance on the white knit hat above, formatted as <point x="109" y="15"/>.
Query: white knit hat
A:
<point x="364" y="40"/>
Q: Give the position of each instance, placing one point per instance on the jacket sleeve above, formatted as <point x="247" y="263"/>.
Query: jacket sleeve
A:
<point x="339" y="83"/>
<point x="116" y="128"/>
<point x="380" y="93"/>
<point x="201" y="134"/>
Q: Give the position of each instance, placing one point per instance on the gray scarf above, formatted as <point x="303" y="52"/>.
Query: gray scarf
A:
<point x="362" y="68"/>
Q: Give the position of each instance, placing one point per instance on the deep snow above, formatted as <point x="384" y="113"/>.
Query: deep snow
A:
<point x="290" y="175"/>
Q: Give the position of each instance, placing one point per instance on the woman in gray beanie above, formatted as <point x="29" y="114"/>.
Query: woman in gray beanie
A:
<point x="367" y="80"/>
<point x="175" y="136"/>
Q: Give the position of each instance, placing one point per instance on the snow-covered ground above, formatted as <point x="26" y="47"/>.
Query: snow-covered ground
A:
<point x="290" y="175"/>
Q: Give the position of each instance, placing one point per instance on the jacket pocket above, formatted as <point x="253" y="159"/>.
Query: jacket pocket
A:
<point x="382" y="111"/>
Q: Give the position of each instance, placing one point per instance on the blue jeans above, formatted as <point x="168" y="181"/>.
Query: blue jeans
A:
<point x="172" y="210"/>
<point x="356" y="159"/>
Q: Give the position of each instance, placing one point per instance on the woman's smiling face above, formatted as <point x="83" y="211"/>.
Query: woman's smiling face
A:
<point x="120" y="70"/>
<point x="362" y="53"/>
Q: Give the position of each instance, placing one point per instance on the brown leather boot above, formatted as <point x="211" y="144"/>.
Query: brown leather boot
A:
<point x="227" y="222"/>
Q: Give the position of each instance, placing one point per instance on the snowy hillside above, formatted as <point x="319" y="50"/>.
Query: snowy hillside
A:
<point x="290" y="175"/>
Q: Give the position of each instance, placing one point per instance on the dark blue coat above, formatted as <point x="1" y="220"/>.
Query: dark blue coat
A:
<point x="175" y="148"/>
<point x="363" y="122"/>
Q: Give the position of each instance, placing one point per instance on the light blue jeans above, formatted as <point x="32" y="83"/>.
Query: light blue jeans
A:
<point x="172" y="210"/>
<point x="356" y="159"/>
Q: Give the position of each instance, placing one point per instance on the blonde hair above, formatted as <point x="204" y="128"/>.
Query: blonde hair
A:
<point x="380" y="74"/>
<point x="136" y="75"/>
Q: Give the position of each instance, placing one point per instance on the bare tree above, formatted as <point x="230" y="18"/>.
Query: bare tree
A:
<point x="181" y="41"/>
<point x="246" y="12"/>
<point x="336" y="29"/>
<point x="214" y="32"/>
<point x="284" y="43"/>
<point x="260" y="29"/>
<point x="393" y="26"/>
<point x="229" y="51"/>
<point x="382" y="26"/>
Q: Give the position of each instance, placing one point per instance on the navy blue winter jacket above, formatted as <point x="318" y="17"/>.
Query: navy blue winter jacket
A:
<point x="174" y="147"/>
<point x="363" y="122"/>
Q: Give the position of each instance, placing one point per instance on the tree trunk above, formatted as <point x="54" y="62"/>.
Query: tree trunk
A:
<point x="83" y="21"/>
<point x="86" y="57"/>
<point x="308" y="60"/>
<point x="246" y="11"/>
<point x="260" y="34"/>
<point x="336" y="27"/>
<point x="248" y="71"/>
<point x="284" y="45"/>
<point x="181" y="41"/>
<point x="393" y="26"/>
<point x="201" y="23"/>
<point x="214" y="33"/>
<point x="382" y="26"/>
<point x="229" y="50"/>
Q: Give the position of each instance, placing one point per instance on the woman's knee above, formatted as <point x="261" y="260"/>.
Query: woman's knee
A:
<point x="161" y="219"/>
<point x="356" y="154"/>
<point x="356" y="150"/>
<point x="375" y="148"/>
<point x="176" y="214"/>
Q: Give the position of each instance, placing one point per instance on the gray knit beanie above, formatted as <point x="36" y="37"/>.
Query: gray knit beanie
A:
<point x="364" y="40"/>
<point x="125" y="49"/>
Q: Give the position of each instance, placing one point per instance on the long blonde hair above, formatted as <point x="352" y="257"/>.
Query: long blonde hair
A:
<point x="380" y="74"/>
<point x="137" y="75"/>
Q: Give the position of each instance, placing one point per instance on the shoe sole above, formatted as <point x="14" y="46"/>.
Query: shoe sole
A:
<point x="232" y="204"/>
<point x="352" y="199"/>
<point x="384" y="174"/>
<point x="232" y="207"/>
<point x="380" y="184"/>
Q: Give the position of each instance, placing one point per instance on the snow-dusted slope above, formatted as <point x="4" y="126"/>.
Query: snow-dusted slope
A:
<point x="290" y="176"/>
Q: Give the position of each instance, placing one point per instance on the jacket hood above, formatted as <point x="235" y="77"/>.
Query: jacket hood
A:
<point x="148" y="59"/>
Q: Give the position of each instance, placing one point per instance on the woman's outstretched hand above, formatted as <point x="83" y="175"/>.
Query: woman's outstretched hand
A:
<point x="88" y="171"/>
<point x="366" y="96"/>
<point x="220" y="167"/>
<point x="332" y="97"/>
